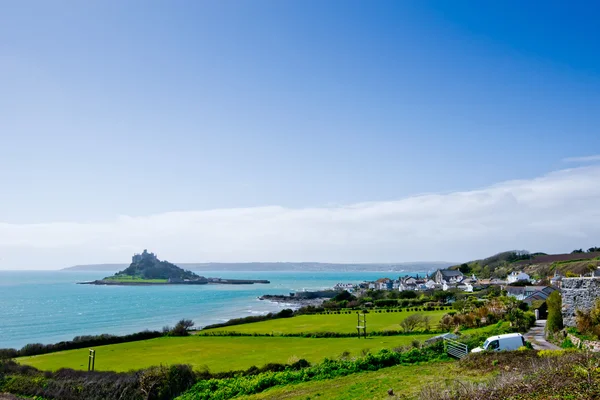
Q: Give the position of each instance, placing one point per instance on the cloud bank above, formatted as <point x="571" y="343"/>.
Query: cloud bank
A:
<point x="554" y="213"/>
<point x="582" y="160"/>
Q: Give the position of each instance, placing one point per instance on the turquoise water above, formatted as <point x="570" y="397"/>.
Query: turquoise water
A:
<point x="47" y="306"/>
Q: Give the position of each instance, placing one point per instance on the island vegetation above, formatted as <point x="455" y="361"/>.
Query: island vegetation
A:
<point x="147" y="269"/>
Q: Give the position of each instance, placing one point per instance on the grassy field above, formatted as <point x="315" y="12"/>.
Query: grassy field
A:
<point x="343" y="323"/>
<point x="406" y="382"/>
<point x="216" y="353"/>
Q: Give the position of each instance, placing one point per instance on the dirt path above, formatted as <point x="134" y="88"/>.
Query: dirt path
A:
<point x="537" y="339"/>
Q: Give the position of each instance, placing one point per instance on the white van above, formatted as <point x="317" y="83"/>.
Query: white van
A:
<point x="510" y="341"/>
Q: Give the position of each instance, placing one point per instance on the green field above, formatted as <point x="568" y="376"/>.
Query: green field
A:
<point x="216" y="353"/>
<point x="342" y="323"/>
<point x="406" y="382"/>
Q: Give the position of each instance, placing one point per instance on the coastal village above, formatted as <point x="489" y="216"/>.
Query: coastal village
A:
<point x="525" y="288"/>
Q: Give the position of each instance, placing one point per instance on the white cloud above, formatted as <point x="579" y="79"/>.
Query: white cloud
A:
<point x="553" y="213"/>
<point x="582" y="160"/>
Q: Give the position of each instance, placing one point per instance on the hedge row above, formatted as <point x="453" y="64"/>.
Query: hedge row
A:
<point x="79" y="342"/>
<point x="316" y="334"/>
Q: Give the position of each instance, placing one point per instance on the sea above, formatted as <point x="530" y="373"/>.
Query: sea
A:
<point x="49" y="306"/>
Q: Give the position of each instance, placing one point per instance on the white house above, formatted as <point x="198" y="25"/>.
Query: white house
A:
<point x="465" y="286"/>
<point x="556" y="280"/>
<point x="430" y="284"/>
<point x="516" y="276"/>
<point x="410" y="281"/>
<point x="446" y="286"/>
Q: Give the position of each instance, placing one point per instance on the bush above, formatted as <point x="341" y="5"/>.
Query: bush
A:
<point x="182" y="328"/>
<point x="414" y="321"/>
<point x="554" y="322"/>
<point x="524" y="375"/>
<point x="386" y="303"/>
<point x="166" y="383"/>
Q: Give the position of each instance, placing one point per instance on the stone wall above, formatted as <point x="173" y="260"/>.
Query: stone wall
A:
<point x="578" y="294"/>
<point x="592" y="345"/>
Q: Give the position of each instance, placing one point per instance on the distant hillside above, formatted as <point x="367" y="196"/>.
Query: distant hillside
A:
<point x="539" y="265"/>
<point x="283" y="266"/>
<point x="97" y="267"/>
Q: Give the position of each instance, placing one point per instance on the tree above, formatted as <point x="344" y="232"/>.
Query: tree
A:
<point x="411" y="322"/>
<point x="426" y="322"/>
<point x="344" y="295"/>
<point x="577" y="251"/>
<point x="555" y="321"/>
<point x="408" y="294"/>
<point x="464" y="268"/>
<point x="182" y="328"/>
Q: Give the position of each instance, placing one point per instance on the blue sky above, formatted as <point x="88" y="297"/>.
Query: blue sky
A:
<point x="113" y="110"/>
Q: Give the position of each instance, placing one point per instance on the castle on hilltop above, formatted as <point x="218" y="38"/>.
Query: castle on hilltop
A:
<point x="144" y="256"/>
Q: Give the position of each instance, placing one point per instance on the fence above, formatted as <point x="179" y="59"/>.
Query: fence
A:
<point x="456" y="349"/>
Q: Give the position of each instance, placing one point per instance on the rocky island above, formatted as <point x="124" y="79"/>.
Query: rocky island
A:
<point x="147" y="269"/>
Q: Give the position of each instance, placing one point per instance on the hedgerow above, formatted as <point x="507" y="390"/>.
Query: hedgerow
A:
<point x="79" y="342"/>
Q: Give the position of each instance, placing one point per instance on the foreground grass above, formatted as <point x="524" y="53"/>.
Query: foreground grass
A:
<point x="404" y="380"/>
<point x="341" y="323"/>
<point x="216" y="353"/>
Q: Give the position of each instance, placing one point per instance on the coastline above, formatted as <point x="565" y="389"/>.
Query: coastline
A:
<point x="97" y="309"/>
<point x="213" y="281"/>
<point x="294" y="301"/>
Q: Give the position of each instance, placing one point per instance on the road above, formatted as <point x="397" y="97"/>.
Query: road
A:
<point x="537" y="339"/>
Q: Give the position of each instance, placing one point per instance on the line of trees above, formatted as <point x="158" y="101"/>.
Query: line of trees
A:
<point x="590" y="250"/>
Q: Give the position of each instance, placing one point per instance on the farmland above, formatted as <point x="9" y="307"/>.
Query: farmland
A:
<point x="340" y="323"/>
<point x="216" y="353"/>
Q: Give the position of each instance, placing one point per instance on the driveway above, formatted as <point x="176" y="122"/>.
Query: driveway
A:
<point x="536" y="337"/>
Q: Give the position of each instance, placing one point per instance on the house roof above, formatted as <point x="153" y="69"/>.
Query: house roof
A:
<point x="536" y="296"/>
<point x="524" y="290"/>
<point x="449" y="273"/>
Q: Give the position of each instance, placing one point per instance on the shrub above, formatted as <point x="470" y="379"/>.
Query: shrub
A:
<point x="386" y="303"/>
<point x="554" y="322"/>
<point x="412" y="322"/>
<point x="523" y="375"/>
<point x="182" y="328"/>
